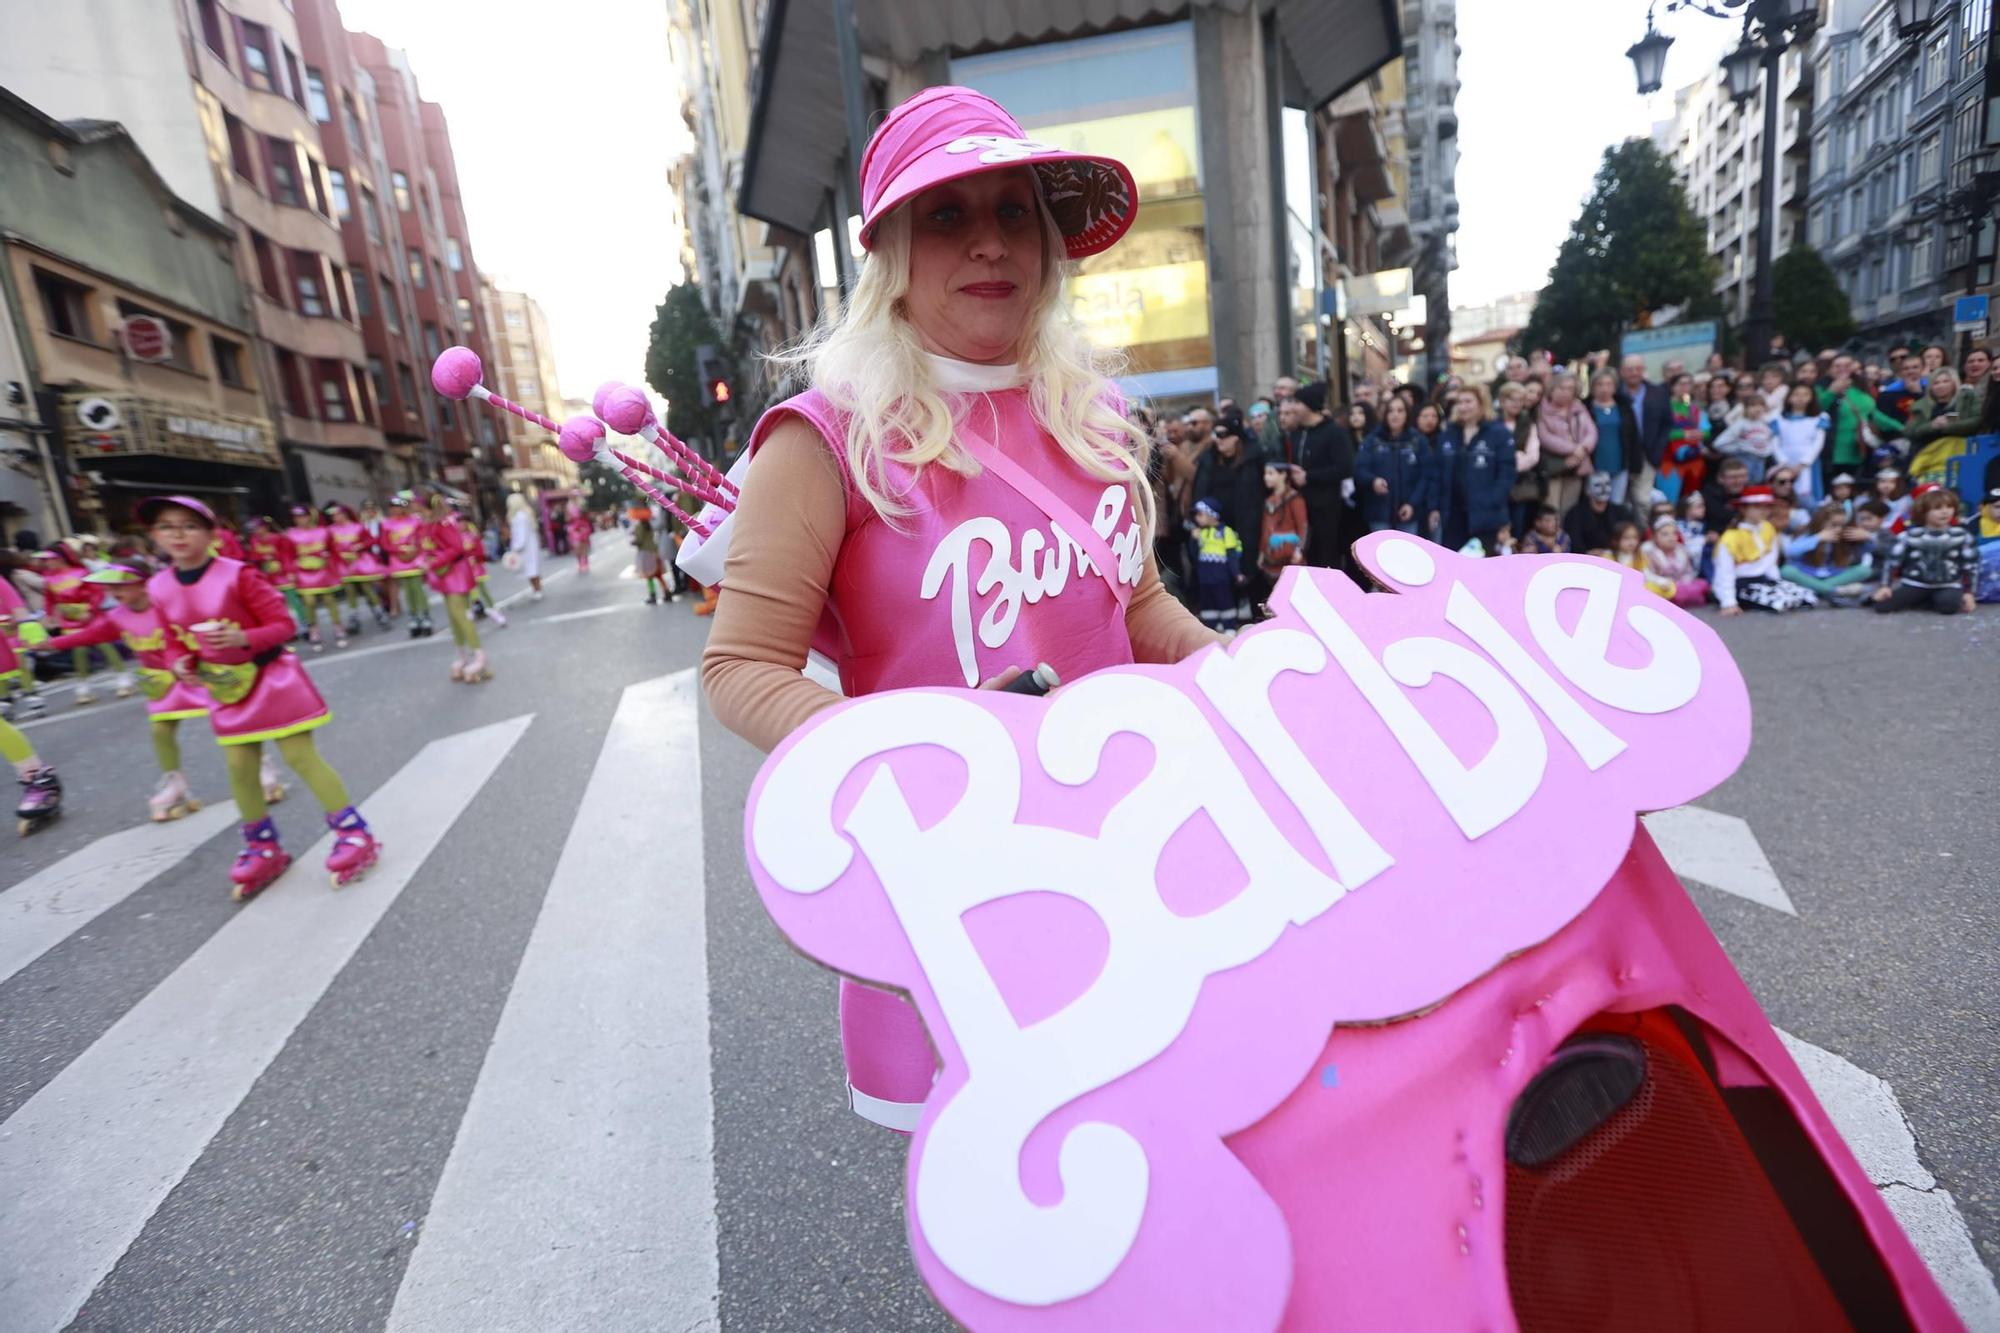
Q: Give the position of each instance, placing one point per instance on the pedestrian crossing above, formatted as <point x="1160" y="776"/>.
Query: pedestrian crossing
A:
<point x="579" y="1188"/>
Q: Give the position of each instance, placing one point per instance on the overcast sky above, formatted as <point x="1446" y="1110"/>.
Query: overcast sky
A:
<point x="564" y="119"/>
<point x="1540" y="100"/>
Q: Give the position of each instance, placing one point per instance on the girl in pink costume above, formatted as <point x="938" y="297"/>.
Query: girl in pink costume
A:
<point x="579" y="537"/>
<point x="954" y="419"/>
<point x="402" y="543"/>
<point x="316" y="566"/>
<point x="362" y="572"/>
<point x="1669" y="568"/>
<point x="228" y="631"/>
<point x="68" y="604"/>
<point x="133" y="620"/>
<point x="16" y="680"/>
<point x="454" y="573"/>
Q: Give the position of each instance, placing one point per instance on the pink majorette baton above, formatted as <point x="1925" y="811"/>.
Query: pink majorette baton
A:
<point x="626" y="411"/>
<point x="582" y="439"/>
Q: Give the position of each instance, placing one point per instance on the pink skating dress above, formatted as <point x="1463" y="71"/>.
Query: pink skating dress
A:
<point x="259" y="692"/>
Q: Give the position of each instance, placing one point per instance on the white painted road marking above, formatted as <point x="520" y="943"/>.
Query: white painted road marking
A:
<point x="88" y="1158"/>
<point x="1865" y="1111"/>
<point x="614" y="609"/>
<point x="580" y="1191"/>
<point x="1720" y="851"/>
<point x="56" y="901"/>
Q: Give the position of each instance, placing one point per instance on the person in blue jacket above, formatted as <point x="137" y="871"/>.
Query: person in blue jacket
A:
<point x="1485" y="475"/>
<point x="1392" y="472"/>
<point x="1468" y="414"/>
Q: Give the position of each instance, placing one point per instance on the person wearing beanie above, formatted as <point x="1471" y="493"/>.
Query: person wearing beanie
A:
<point x="1320" y="453"/>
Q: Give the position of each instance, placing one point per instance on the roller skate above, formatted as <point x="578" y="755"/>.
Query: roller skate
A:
<point x="339" y="637"/>
<point x="476" y="669"/>
<point x="416" y="628"/>
<point x="85" y="695"/>
<point x="312" y="637"/>
<point x="41" y="799"/>
<point x="354" y="847"/>
<point x="353" y="623"/>
<point x="268" y="779"/>
<point x="29" y="706"/>
<point x="260" y="862"/>
<point x="458" y="665"/>
<point x="425" y="629"/>
<point x="171" y="799"/>
<point x="479" y="610"/>
<point x="499" y="620"/>
<point x="122" y="685"/>
<point x="381" y="618"/>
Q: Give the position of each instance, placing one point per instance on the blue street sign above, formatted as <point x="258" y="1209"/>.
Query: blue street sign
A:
<point x="1969" y="312"/>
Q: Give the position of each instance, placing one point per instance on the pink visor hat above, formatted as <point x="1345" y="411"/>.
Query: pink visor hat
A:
<point x="945" y="133"/>
<point x="149" y="508"/>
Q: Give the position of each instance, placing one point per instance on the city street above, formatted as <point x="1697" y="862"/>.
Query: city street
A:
<point x="549" y="1065"/>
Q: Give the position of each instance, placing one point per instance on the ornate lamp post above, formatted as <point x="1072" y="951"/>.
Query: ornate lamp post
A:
<point x="1770" y="27"/>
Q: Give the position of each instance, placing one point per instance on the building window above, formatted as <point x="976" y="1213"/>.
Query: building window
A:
<point x="228" y="358"/>
<point x="1937" y="62"/>
<point x="267" y="268"/>
<point x="515" y="319"/>
<point x="370" y="219"/>
<point x="415" y="262"/>
<point x="1957" y="249"/>
<point x="454" y="255"/>
<point x="337" y="182"/>
<point x="465" y="315"/>
<point x="401" y="183"/>
<point x="65" y="305"/>
<point x="240" y="154"/>
<point x="1922" y="255"/>
<point x="256" y="55"/>
<point x="432" y="346"/>
<point x="180" y="337"/>
<point x="211" y="29"/>
<point x="293" y="385"/>
<point x="351" y="122"/>
<point x="335" y="402"/>
<point x="443" y="286"/>
<point x="282" y="156"/>
<point x="316" y="96"/>
<point x="298" y="85"/>
<point x="363" y="302"/>
<point x="309" y="281"/>
<point x="378" y="378"/>
<point x="407" y="383"/>
<point x="341" y="300"/>
<point x="1930" y="161"/>
<point x="318" y="173"/>
<point x="392" y="314"/>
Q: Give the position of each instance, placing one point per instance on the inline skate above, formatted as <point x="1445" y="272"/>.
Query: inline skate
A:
<point x="354" y="847"/>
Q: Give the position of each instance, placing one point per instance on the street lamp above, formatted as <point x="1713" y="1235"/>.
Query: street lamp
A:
<point x="1913" y="17"/>
<point x="1769" y="29"/>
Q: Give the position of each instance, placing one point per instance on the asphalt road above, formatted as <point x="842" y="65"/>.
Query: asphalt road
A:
<point x="236" y="1165"/>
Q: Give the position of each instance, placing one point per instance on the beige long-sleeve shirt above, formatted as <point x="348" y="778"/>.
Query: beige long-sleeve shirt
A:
<point x="784" y="540"/>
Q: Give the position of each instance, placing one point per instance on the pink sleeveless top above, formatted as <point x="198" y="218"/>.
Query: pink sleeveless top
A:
<point x="978" y="578"/>
<point x="314" y="561"/>
<point x="145" y="635"/>
<point x="355" y="546"/>
<point x="252" y="696"/>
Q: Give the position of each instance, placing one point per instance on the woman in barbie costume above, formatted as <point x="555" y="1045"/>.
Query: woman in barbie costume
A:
<point x="228" y="632"/>
<point x="950" y="399"/>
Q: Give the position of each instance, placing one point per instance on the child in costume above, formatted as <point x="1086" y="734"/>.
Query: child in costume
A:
<point x="579" y="537"/>
<point x="271" y="554"/>
<point x="1671" y="565"/>
<point x="1934" y="561"/>
<point x="450" y="545"/>
<point x="316" y="566"/>
<point x="646" y="544"/>
<point x="41" y="790"/>
<point x="1682" y="468"/>
<point x="1889" y="490"/>
<point x="1218" y="563"/>
<point x="135" y="621"/>
<point x="1833" y="557"/>
<point x="1285" y="535"/>
<point x="1546" y="536"/>
<point x="402" y="542"/>
<point x="1746" y="560"/>
<point x="1985" y="529"/>
<point x="67" y="604"/>
<point x="17" y="625"/>
<point x="229" y="632"/>
<point x="362" y="572"/>
<point x="485" y="606"/>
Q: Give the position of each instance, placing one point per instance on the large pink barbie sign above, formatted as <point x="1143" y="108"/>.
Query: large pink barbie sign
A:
<point x="1130" y="915"/>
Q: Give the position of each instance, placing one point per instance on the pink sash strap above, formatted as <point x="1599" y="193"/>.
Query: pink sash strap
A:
<point x="1032" y="489"/>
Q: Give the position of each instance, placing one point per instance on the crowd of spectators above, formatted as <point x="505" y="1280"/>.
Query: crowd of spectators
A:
<point x="1809" y="482"/>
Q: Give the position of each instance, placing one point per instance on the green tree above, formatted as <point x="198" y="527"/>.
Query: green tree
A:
<point x="682" y="323"/>
<point x="608" y="489"/>
<point x="1807" y="303"/>
<point x="1636" y="248"/>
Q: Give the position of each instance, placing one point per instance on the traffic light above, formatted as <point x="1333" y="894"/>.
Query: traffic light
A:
<point x="713" y="372"/>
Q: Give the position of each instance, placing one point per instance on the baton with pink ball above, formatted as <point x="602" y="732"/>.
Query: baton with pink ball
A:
<point x="626" y="411"/>
<point x="456" y="374"/>
<point x="581" y="439"/>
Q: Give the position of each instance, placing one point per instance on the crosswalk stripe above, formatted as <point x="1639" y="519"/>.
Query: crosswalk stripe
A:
<point x="581" y="1187"/>
<point x="88" y="1158"/>
<point x="1720" y="851"/>
<point x="56" y="901"/>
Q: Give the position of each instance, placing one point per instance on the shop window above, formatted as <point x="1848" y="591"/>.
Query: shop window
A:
<point x="180" y="335"/>
<point x="267" y="268"/>
<point x="228" y="358"/>
<point x="309" y="282"/>
<point x="335" y="401"/>
<point x="392" y="314"/>
<point x="282" y="156"/>
<point x="401" y="183"/>
<point x="337" y="182"/>
<point x="256" y="40"/>
<point x="65" y="305"/>
<point x="240" y="153"/>
<point x="211" y="29"/>
<point x="316" y="96"/>
<point x="291" y="382"/>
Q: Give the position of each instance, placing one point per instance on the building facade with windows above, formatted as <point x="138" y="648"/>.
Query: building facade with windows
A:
<point x="524" y="369"/>
<point x="99" y="260"/>
<point x="1430" y="137"/>
<point x="1899" y="130"/>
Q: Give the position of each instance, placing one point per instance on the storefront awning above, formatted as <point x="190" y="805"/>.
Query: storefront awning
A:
<point x="111" y="424"/>
<point x="798" y="125"/>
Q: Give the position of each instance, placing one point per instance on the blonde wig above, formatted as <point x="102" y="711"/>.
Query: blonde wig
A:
<point x="870" y="364"/>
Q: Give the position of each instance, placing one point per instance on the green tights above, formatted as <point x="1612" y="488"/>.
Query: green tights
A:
<point x="296" y="605"/>
<point x="416" y="599"/>
<point x="463" y="632"/>
<point x="1827" y="583"/>
<point x="80" y="659"/>
<point x="14" y="746"/>
<point x="167" y="743"/>
<point x="301" y="756"/>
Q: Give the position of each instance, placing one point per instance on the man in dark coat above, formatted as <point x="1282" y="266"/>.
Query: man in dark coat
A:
<point x="1321" y="455"/>
<point x="1643" y="422"/>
